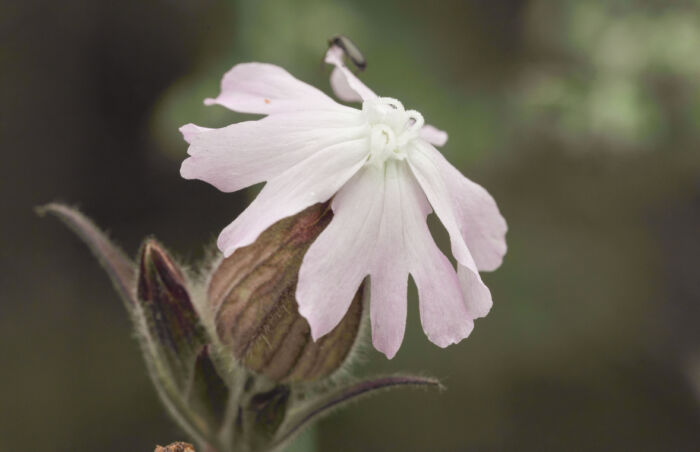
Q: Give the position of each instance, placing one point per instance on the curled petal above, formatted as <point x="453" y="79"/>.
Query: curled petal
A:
<point x="469" y="206"/>
<point x="433" y="135"/>
<point x="477" y="297"/>
<point x="470" y="215"/>
<point x="265" y="88"/>
<point x="482" y="225"/>
<point x="430" y="179"/>
<point x="341" y="88"/>
<point x="250" y="152"/>
<point x="312" y="180"/>
<point x="343" y="81"/>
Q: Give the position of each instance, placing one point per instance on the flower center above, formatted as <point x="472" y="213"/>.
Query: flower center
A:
<point x="392" y="128"/>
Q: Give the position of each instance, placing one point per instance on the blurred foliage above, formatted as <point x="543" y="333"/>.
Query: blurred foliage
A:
<point x="624" y="74"/>
<point x="581" y="118"/>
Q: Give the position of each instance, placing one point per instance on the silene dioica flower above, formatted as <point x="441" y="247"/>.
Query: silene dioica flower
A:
<point x="379" y="168"/>
<point x="247" y="349"/>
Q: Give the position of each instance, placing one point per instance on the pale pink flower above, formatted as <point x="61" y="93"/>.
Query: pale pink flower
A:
<point x="383" y="173"/>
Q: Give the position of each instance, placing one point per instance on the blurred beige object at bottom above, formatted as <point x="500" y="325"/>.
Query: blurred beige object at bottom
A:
<point x="176" y="447"/>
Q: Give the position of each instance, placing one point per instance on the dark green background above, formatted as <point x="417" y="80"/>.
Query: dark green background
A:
<point x="580" y="117"/>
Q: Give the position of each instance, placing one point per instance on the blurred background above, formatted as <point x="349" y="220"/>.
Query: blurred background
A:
<point x="581" y="118"/>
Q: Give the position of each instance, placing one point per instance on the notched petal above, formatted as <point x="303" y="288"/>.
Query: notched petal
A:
<point x="466" y="209"/>
<point x="343" y="81"/>
<point x="250" y="152"/>
<point x="477" y="296"/>
<point x="313" y="180"/>
<point x="433" y="135"/>
<point x="265" y="89"/>
<point x="190" y="131"/>
<point x="341" y="87"/>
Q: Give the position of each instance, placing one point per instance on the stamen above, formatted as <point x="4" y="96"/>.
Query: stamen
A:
<point x="391" y="102"/>
<point x="382" y="143"/>
<point x="415" y="120"/>
<point x="392" y="128"/>
<point x="382" y="138"/>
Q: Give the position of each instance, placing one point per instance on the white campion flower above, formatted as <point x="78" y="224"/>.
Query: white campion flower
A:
<point x="383" y="173"/>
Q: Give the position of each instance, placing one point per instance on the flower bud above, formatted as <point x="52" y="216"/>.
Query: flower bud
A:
<point x="170" y="318"/>
<point x="252" y="296"/>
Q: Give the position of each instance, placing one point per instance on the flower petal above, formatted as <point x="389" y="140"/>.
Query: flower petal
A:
<point x="379" y="229"/>
<point x="426" y="163"/>
<point x="430" y="179"/>
<point x="481" y="223"/>
<point x="189" y="131"/>
<point x="390" y="267"/>
<point x="477" y="295"/>
<point x="443" y="311"/>
<point x="310" y="181"/>
<point x="364" y="237"/>
<point x="265" y="88"/>
<point x="339" y="259"/>
<point x="388" y="292"/>
<point x="464" y="204"/>
<point x="433" y="135"/>
<point x="341" y="88"/>
<point x="250" y="152"/>
<point x="343" y="81"/>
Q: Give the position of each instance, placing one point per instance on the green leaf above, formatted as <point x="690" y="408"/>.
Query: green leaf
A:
<point x="208" y="393"/>
<point x="120" y="268"/>
<point x="123" y="273"/>
<point x="310" y="411"/>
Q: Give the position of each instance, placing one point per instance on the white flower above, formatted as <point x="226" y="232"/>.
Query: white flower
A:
<point x="383" y="173"/>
